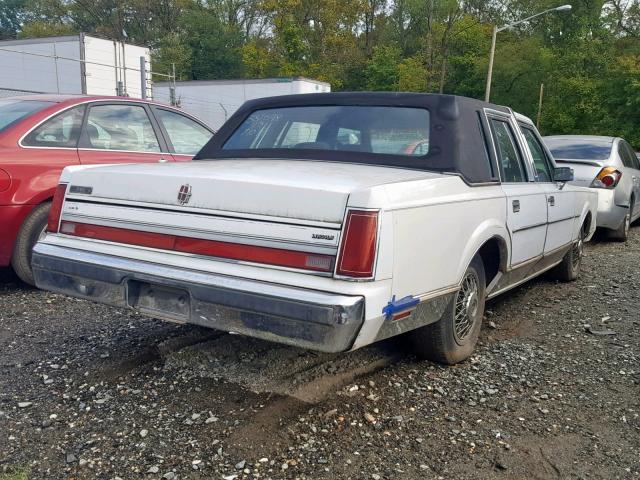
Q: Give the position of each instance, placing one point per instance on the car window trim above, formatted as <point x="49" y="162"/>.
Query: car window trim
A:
<point x="46" y="119"/>
<point x="635" y="161"/>
<point x="88" y="103"/>
<point x="50" y="118"/>
<point x="171" y="149"/>
<point x="500" y="116"/>
<point x="83" y="137"/>
<point x="625" y="148"/>
<point x="485" y="132"/>
<point x="620" y="150"/>
<point x="545" y="153"/>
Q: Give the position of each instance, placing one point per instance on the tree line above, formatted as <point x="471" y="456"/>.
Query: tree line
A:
<point x="588" y="59"/>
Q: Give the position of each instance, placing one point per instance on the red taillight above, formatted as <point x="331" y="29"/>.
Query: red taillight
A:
<point x="358" y="250"/>
<point x="56" y="208"/>
<point x="608" y="177"/>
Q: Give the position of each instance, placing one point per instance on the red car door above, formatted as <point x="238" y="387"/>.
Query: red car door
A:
<point x="121" y="132"/>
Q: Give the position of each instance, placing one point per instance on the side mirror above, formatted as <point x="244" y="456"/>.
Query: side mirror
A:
<point x="563" y="174"/>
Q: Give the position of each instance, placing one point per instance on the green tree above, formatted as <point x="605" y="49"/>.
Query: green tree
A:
<point x="216" y="47"/>
<point x="11" y="15"/>
<point x="45" y="29"/>
<point x="382" y="70"/>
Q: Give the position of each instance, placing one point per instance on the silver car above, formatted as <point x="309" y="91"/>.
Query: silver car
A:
<point x="609" y="165"/>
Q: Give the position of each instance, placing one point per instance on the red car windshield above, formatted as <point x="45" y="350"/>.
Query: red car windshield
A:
<point x="12" y="111"/>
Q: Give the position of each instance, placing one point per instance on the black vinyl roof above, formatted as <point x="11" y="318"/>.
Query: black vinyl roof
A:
<point x="456" y="138"/>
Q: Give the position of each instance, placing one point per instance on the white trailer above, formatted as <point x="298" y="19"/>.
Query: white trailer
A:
<point x="213" y="101"/>
<point x="75" y="64"/>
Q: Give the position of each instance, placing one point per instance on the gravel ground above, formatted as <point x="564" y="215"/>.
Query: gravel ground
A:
<point x="553" y="391"/>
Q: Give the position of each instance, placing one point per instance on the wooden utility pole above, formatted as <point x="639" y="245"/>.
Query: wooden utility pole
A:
<point x="540" y="106"/>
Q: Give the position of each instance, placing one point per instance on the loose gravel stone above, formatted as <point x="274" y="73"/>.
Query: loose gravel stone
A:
<point x="540" y="395"/>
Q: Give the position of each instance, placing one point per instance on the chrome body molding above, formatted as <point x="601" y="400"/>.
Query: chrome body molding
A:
<point x="526" y="271"/>
<point x="209" y="227"/>
<point x="427" y="312"/>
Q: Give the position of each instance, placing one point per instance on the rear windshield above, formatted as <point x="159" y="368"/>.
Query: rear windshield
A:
<point x="384" y="130"/>
<point x="578" y="150"/>
<point x="12" y="111"/>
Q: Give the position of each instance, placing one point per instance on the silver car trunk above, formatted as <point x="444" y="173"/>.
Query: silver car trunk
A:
<point x="584" y="171"/>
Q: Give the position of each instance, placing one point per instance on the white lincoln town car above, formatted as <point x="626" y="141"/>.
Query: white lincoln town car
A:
<point x="327" y="221"/>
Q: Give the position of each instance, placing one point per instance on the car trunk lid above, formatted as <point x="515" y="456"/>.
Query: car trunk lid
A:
<point x="276" y="212"/>
<point x="314" y="191"/>
<point x="584" y="171"/>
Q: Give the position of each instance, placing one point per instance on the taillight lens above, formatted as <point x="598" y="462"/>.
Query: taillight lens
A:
<point x="358" y="250"/>
<point x="608" y="177"/>
<point x="56" y="208"/>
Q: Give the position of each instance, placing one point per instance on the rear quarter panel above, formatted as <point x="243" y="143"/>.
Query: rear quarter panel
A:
<point x="438" y="227"/>
<point x="586" y="205"/>
<point x="34" y="171"/>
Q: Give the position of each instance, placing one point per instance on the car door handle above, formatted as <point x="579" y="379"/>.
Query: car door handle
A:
<point x="552" y="200"/>
<point x="163" y="160"/>
<point x="516" y="205"/>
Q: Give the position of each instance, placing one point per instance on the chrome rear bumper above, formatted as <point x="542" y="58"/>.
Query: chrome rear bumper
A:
<point x="295" y="316"/>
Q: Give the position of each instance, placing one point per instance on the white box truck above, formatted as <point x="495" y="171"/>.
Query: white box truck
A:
<point x="213" y="101"/>
<point x="75" y="64"/>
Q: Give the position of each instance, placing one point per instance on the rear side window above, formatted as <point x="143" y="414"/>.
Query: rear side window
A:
<point x="509" y="159"/>
<point x="186" y="135"/>
<point x="12" y="111"/>
<point x="61" y="131"/>
<point x="120" y="127"/>
<point x="628" y="156"/>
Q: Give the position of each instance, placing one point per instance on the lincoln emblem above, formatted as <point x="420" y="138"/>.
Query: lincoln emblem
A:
<point x="184" y="195"/>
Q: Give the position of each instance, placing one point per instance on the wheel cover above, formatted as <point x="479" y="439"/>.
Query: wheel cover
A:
<point x="578" y="249"/>
<point x="467" y="304"/>
<point x="627" y="224"/>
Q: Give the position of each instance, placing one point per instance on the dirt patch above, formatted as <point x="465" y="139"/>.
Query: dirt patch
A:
<point x="263" y="367"/>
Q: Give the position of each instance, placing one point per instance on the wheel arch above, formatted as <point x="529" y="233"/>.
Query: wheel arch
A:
<point x="490" y="242"/>
<point x="587" y="219"/>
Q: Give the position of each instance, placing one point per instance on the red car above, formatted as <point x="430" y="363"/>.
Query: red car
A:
<point x="42" y="134"/>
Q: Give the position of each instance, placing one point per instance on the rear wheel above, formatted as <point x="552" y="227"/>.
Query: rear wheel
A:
<point x="453" y="338"/>
<point x="621" y="234"/>
<point x="569" y="269"/>
<point x="31" y="229"/>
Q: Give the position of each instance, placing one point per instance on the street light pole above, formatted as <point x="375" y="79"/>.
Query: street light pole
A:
<point x="496" y="30"/>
